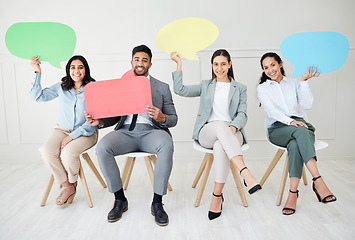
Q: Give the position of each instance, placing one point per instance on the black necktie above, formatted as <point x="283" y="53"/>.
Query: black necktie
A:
<point x="133" y="123"/>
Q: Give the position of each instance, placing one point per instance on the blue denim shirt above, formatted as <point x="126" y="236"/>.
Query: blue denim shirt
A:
<point x="71" y="106"/>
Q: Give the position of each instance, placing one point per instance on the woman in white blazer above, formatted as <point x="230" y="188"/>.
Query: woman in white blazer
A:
<point x="219" y="124"/>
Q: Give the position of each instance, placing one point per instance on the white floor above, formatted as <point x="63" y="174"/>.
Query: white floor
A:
<point x="21" y="216"/>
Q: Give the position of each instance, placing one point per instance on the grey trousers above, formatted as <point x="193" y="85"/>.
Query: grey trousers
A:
<point x="218" y="136"/>
<point x="143" y="138"/>
<point x="299" y="142"/>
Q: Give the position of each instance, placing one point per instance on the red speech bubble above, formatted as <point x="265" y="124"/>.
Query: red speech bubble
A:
<point x="118" y="97"/>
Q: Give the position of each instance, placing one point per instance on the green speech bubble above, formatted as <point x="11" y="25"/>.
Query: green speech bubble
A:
<point x="53" y="42"/>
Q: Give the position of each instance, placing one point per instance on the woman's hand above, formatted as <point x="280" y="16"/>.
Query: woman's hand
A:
<point x="298" y="123"/>
<point x="36" y="64"/>
<point x="91" y="121"/>
<point x="310" y="73"/>
<point x="233" y="129"/>
<point x="65" y="141"/>
<point x="176" y="58"/>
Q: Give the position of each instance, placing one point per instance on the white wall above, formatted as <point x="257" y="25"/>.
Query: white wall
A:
<point x="107" y="31"/>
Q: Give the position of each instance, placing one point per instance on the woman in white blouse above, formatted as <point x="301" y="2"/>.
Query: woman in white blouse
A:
<point x="219" y="124"/>
<point x="280" y="97"/>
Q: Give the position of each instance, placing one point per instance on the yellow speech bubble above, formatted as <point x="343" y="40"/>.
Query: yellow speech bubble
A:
<point x="187" y="36"/>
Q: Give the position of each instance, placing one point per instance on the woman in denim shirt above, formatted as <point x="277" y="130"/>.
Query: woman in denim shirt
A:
<point x="71" y="134"/>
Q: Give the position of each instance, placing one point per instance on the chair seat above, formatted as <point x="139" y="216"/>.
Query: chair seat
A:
<point x="138" y="154"/>
<point x="318" y="145"/>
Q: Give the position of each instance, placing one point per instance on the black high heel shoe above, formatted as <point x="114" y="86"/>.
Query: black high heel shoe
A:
<point x="213" y="215"/>
<point x="324" y="200"/>
<point x="253" y="189"/>
<point x="290" y="209"/>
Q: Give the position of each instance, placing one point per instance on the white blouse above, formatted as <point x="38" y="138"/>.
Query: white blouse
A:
<point x="220" y="103"/>
<point x="280" y="100"/>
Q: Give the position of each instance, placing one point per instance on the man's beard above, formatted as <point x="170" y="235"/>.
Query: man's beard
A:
<point x="139" y="74"/>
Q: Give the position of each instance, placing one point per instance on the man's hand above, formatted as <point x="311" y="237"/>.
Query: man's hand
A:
<point x="156" y="114"/>
<point x="91" y="121"/>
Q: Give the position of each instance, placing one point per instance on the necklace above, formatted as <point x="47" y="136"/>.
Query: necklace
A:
<point x="76" y="90"/>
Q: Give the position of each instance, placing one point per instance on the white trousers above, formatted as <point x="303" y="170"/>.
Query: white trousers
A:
<point x="218" y="136"/>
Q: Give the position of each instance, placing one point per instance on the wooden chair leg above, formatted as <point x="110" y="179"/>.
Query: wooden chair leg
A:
<point x="272" y="165"/>
<point x="204" y="178"/>
<point x="153" y="159"/>
<point x="200" y="171"/>
<point x="304" y="177"/>
<point x="125" y="170"/>
<point x="48" y="189"/>
<point x="85" y="186"/>
<point x="283" y="182"/>
<point x="131" y="162"/>
<point x="94" y="169"/>
<point x="239" y="184"/>
<point x="149" y="169"/>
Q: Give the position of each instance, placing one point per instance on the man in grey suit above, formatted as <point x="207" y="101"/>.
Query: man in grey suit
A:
<point x="146" y="132"/>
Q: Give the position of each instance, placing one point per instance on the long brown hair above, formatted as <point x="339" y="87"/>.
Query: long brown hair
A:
<point x="222" y="52"/>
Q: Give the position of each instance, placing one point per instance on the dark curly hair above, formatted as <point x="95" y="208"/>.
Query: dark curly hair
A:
<point x="143" y="48"/>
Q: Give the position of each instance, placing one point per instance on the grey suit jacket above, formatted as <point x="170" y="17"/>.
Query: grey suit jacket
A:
<point x="237" y="99"/>
<point x="162" y="99"/>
